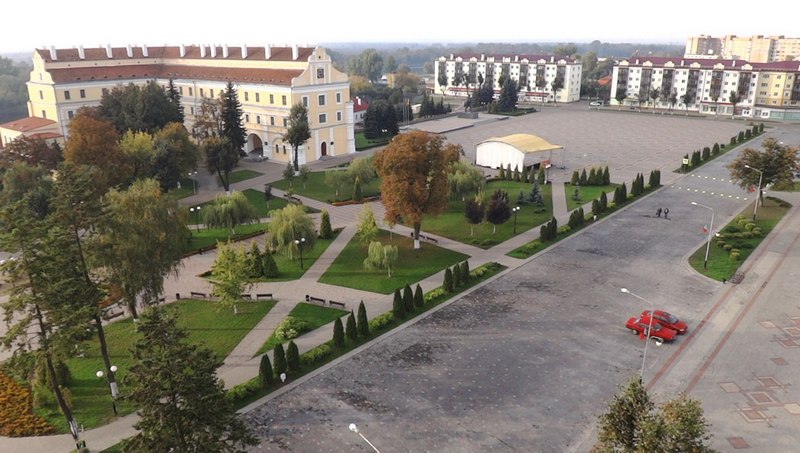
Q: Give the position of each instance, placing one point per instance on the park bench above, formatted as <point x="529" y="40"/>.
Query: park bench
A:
<point x="246" y="297"/>
<point x="196" y="294"/>
<point x="315" y="300"/>
<point x="110" y="314"/>
<point x="338" y="304"/>
<point x="264" y="296"/>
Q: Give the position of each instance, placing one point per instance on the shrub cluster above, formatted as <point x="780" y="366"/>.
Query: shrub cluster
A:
<point x="595" y="177"/>
<point x="16" y="413"/>
<point x="549" y="231"/>
<point x="291" y="327"/>
<point x="700" y="156"/>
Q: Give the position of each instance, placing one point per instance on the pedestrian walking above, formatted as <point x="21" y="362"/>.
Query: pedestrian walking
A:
<point x="666" y="213"/>
<point x="658" y="212"/>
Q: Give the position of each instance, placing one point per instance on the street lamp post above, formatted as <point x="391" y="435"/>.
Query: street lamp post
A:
<point x="758" y="195"/>
<point x="196" y="211"/>
<point x="354" y="429"/>
<point x="710" y="229"/>
<point x="193" y="175"/>
<point x="649" y="328"/>
<point x="515" y="210"/>
<point x="299" y="243"/>
<point x="113" y="384"/>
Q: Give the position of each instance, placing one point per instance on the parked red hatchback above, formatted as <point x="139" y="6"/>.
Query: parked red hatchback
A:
<point x="667" y="320"/>
<point x="659" y="334"/>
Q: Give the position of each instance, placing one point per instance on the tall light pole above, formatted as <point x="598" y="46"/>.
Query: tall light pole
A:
<point x="515" y="209"/>
<point x="758" y="195"/>
<point x="354" y="429"/>
<point x="710" y="229"/>
<point x="113" y="385"/>
<point x="196" y="210"/>
<point x="299" y="243"/>
<point x="193" y="175"/>
<point x="649" y="328"/>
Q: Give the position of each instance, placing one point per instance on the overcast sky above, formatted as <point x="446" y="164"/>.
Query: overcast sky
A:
<point x="28" y="25"/>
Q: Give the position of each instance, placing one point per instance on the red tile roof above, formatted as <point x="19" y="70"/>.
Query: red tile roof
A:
<point x="27" y="124"/>
<point x="46" y="135"/>
<point x="128" y="72"/>
<point x="192" y="52"/>
<point x="603" y="81"/>
<point x="708" y="63"/>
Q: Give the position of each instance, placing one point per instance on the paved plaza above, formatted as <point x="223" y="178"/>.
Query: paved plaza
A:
<point x="530" y="358"/>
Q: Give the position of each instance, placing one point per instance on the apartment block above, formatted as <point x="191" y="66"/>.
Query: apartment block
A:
<point x="755" y="49"/>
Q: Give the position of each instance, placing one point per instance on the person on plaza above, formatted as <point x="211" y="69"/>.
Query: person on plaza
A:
<point x="666" y="213"/>
<point x="658" y="212"/>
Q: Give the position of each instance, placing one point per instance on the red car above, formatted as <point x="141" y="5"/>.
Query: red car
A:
<point x="659" y="334"/>
<point x="666" y="320"/>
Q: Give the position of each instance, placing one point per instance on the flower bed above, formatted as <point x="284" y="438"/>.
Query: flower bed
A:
<point x="16" y="414"/>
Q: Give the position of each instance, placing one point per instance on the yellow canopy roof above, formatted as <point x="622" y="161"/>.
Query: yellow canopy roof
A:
<point x="526" y="143"/>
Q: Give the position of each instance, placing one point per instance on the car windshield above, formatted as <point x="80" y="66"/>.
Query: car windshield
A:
<point x="669" y="318"/>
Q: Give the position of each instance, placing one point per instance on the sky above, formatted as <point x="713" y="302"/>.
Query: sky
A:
<point x="92" y="23"/>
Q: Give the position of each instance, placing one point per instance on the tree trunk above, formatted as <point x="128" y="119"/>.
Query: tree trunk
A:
<point x="494" y="228"/>
<point x="296" y="167"/>
<point x="471" y="230"/>
<point x="416" y="236"/>
<point x="224" y="179"/>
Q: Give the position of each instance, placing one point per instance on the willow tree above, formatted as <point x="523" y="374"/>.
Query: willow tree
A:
<point x="413" y="172"/>
<point x="381" y="256"/>
<point x="229" y="211"/>
<point x="367" y="226"/>
<point x="230" y="274"/>
<point x="288" y="225"/>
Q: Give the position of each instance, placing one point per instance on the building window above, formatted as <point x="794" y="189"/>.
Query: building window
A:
<point x="285" y="122"/>
<point x="320" y="73"/>
<point x="70" y="114"/>
<point x="202" y="93"/>
<point x="258" y="119"/>
<point x="321" y="99"/>
<point x="83" y="94"/>
<point x="305" y="101"/>
<point x="276" y="148"/>
<point x="41" y="95"/>
<point x="246" y="117"/>
<point x="190" y="91"/>
<point x="180" y="90"/>
<point x="246" y="96"/>
<point x="272" y="121"/>
<point x="105" y="91"/>
<point x="283" y="99"/>
<point x="258" y="97"/>
<point x="271" y="99"/>
<point x="323" y="118"/>
<point x="338" y="98"/>
<point x="284" y="149"/>
<point x="44" y="114"/>
<point x="338" y="116"/>
<point x="211" y="93"/>
<point x="191" y="110"/>
<point x="67" y="96"/>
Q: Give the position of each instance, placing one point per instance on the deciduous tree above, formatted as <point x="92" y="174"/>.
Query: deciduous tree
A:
<point x="230" y="274"/>
<point x="221" y="158"/>
<point x="499" y="210"/>
<point x="413" y="172"/>
<point x="367" y="228"/>
<point x="380" y="256"/>
<point x="297" y="131"/>
<point x="776" y="160"/>
<point x="289" y="224"/>
<point x="474" y="212"/>
<point x="93" y="141"/>
<point x="182" y="403"/>
<point x="229" y="211"/>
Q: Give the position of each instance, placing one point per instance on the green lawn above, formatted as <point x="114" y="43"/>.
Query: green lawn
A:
<point x="256" y="198"/>
<point x="365" y="143"/>
<point x="453" y="224"/>
<point x="587" y="194"/>
<point x="316" y="188"/>
<point x="290" y="269"/>
<point x="314" y="315"/>
<point x="210" y="236"/>
<point x="209" y="326"/>
<point x="720" y="265"/>
<point x="187" y="189"/>
<point x="240" y="175"/>
<point x="412" y="265"/>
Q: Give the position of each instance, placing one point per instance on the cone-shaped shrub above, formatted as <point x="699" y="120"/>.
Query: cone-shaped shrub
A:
<point x="279" y="358"/>
<point x="357" y="196"/>
<point x="419" y="298"/>
<point x="576" y="178"/>
<point x="448" y="280"/>
<point x="715" y="149"/>
<point x="584" y="178"/>
<point x="603" y="201"/>
<point x="363" y="323"/>
<point x="292" y="358"/>
<point x="541" y="176"/>
<point x="516" y="173"/>
<point x="325" y="230"/>
<point x="269" y="266"/>
<point x="526" y="177"/>
<point x="456" y="276"/>
<point x="606" y="177"/>
<point x="338" y="333"/>
<point x="543" y="232"/>
<point x="592" y="181"/>
<point x="502" y="174"/>
<point x="350" y="329"/>
<point x="265" y="371"/>
<point x="595" y="207"/>
<point x="464" y="267"/>
<point x="706" y="153"/>
<point x="398" y="308"/>
<point x="509" y="173"/>
<point x="408" y="299"/>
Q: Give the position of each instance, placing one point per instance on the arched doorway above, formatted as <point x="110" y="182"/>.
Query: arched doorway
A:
<point x="323" y="149"/>
<point x="254" y="144"/>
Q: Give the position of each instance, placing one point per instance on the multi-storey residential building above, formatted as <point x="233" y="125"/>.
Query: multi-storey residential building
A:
<point x="534" y="75"/>
<point x="269" y="80"/>
<point x="755" y="49"/>
<point x="762" y="90"/>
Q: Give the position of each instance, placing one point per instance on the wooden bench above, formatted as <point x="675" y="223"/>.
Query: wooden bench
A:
<point x="246" y="297"/>
<point x="196" y="294"/>
<point x="108" y="315"/>
<point x="264" y="296"/>
<point x="315" y="300"/>
<point x="426" y="238"/>
<point x="338" y="304"/>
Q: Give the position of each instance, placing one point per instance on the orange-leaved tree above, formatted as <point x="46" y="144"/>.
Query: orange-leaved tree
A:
<point x="413" y="172"/>
<point x="94" y="141"/>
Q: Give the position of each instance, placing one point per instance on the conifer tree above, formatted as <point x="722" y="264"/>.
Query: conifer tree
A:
<point x="357" y="195"/>
<point x="265" y="371"/>
<point x="592" y="180"/>
<point x="350" y="329"/>
<point x="706" y="153"/>
<point x="408" y="299"/>
<point x="362" y="323"/>
<point x="544" y="231"/>
<point x="542" y="175"/>
<point x="269" y="266"/>
<point x="398" y="308"/>
<point x="576" y="178"/>
<point x="623" y="193"/>
<point x="325" y="230"/>
<point x="509" y="173"/>
<point x="502" y="174"/>
<point x="584" y="178"/>
<point x="232" y="126"/>
<point x="292" y="358"/>
<point x="606" y="177"/>
<point x="526" y="177"/>
<point x="338" y="333"/>
<point x="532" y="174"/>
<point x="715" y="149"/>
<point x="553" y="228"/>
<point x="419" y="298"/>
<point x="456" y="276"/>
<point x="603" y="201"/>
<point x="448" y="281"/>
<point x="464" y="271"/>
<point x="255" y="261"/>
<point x="595" y="207"/>
<point x="279" y="360"/>
<point x="516" y="173"/>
